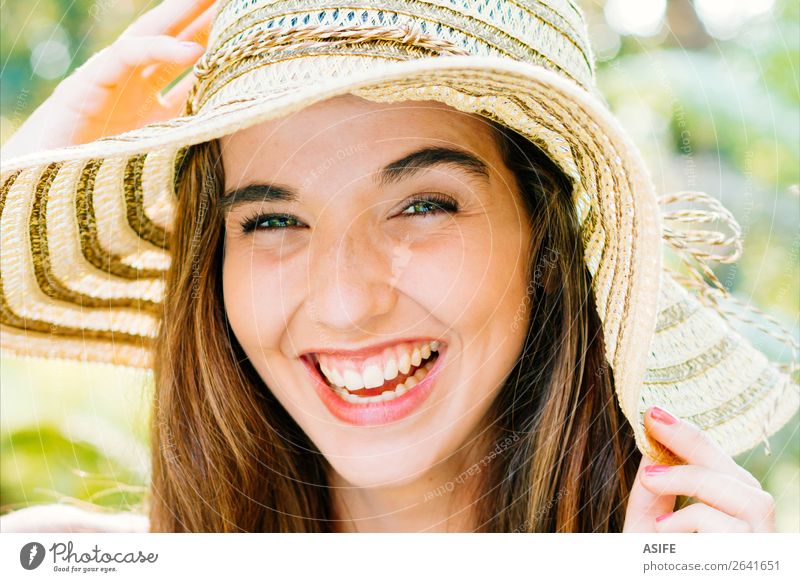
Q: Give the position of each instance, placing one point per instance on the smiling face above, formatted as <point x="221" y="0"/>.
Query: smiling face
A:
<point x="383" y="249"/>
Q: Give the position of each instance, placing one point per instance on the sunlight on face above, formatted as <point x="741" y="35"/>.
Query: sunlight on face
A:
<point x="371" y="230"/>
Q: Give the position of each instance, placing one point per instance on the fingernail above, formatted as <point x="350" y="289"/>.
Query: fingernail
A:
<point x="191" y="45"/>
<point x="665" y="516"/>
<point x="662" y="416"/>
<point x="656" y="469"/>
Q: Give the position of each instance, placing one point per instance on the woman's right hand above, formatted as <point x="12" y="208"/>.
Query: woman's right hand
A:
<point x="118" y="88"/>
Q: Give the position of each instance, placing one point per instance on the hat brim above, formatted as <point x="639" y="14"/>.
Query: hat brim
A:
<point x="97" y="219"/>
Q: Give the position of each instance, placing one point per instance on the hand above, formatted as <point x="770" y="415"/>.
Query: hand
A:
<point x="118" y="88"/>
<point x="57" y="518"/>
<point x="729" y="498"/>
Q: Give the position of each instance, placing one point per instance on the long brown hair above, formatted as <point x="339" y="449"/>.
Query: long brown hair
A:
<point x="228" y="457"/>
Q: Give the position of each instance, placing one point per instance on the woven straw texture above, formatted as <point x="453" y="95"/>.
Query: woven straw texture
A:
<point x="86" y="229"/>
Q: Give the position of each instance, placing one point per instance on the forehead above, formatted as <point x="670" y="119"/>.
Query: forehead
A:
<point x="353" y="130"/>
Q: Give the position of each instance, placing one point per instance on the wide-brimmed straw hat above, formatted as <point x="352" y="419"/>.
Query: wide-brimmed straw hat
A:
<point x="86" y="229"/>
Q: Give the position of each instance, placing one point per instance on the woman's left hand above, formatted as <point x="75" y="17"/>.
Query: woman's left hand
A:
<point x="729" y="498"/>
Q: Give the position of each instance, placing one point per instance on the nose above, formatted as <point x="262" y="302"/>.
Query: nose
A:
<point x="351" y="282"/>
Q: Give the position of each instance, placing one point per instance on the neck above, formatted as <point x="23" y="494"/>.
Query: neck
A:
<point x="441" y="500"/>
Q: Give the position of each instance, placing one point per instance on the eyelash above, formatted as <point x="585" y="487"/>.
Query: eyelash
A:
<point x="440" y="203"/>
<point x="252" y="223"/>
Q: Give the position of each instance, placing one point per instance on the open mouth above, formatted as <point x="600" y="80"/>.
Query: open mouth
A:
<point x="386" y="377"/>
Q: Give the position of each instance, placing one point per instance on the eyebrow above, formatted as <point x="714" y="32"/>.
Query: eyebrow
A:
<point x="401" y="169"/>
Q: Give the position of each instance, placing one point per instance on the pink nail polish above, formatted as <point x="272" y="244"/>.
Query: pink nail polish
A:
<point x="662" y="517"/>
<point x="662" y="416"/>
<point x="656" y="469"/>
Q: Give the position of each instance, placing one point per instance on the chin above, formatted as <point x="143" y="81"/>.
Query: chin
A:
<point x="383" y="466"/>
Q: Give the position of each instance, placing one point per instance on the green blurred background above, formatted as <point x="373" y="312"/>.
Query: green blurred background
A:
<point x="709" y="90"/>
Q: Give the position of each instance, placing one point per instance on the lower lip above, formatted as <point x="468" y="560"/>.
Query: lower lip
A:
<point x="376" y="413"/>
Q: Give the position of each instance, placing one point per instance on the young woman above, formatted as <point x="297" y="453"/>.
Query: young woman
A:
<point x="380" y="317"/>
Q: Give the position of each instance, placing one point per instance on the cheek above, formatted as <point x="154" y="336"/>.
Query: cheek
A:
<point x="255" y="293"/>
<point x="467" y="280"/>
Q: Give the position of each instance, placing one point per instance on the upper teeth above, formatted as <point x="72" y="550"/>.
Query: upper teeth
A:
<point x="374" y="371"/>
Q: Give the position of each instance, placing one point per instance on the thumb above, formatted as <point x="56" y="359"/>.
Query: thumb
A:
<point x="174" y="100"/>
<point x="645" y="506"/>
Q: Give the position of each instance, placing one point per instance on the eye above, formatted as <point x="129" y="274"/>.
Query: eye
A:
<point x="270" y="222"/>
<point x="431" y="204"/>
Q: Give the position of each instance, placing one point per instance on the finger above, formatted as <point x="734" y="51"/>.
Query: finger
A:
<point x="197" y="32"/>
<point x="118" y="62"/>
<point x="700" y="518"/>
<point x="693" y="445"/>
<point x="170" y="17"/>
<point x="173" y="101"/>
<point x="718" y="490"/>
<point x="643" y="505"/>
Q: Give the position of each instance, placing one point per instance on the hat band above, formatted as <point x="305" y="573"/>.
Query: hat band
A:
<point x="311" y="40"/>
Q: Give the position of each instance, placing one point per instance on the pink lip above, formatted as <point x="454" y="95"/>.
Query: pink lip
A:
<point x="375" y="413"/>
